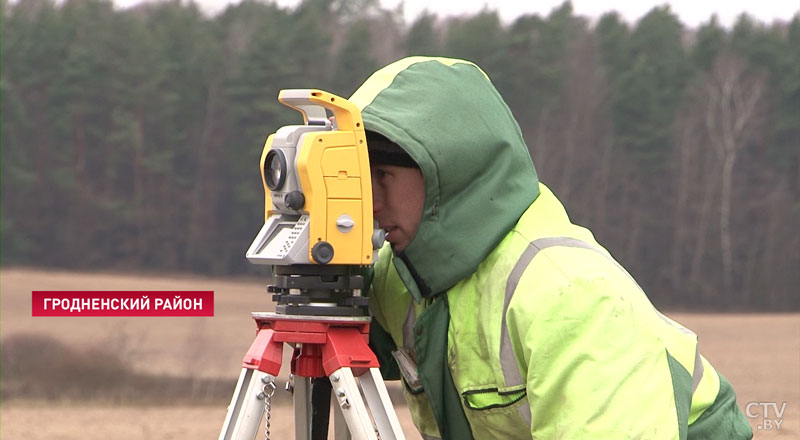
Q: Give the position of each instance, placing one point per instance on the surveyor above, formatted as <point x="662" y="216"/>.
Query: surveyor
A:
<point x="503" y="318"/>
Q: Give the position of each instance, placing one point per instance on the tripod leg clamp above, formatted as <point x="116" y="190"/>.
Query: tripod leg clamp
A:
<point x="347" y="347"/>
<point x="265" y="354"/>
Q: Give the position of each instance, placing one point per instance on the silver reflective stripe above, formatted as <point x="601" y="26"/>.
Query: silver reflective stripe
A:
<point x="697" y="374"/>
<point x="525" y="412"/>
<point x="408" y="327"/>
<point x="508" y="361"/>
<point x="683" y="330"/>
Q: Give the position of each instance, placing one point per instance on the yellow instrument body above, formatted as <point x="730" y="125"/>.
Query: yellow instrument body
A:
<point x="332" y="168"/>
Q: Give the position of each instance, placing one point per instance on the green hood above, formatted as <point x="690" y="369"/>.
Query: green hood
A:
<point x="479" y="177"/>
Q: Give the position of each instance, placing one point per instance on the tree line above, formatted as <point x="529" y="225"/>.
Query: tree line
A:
<point x="131" y="137"/>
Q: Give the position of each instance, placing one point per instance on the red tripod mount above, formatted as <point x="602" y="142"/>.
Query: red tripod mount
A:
<point x="323" y="344"/>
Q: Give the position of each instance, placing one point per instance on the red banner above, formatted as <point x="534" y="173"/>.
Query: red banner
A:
<point x="122" y="303"/>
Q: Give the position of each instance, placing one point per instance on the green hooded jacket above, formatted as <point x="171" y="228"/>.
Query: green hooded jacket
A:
<point x="517" y="322"/>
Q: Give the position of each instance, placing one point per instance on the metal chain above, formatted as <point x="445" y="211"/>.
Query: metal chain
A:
<point x="267" y="391"/>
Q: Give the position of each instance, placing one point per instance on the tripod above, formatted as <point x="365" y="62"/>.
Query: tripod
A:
<point x="332" y="346"/>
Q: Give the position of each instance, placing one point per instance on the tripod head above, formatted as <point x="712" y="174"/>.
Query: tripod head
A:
<point x="318" y="234"/>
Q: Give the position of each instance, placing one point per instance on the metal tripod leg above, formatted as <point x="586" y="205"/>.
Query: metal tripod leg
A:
<point x="247" y="408"/>
<point x="302" y="408"/>
<point x="348" y="397"/>
<point x="381" y="405"/>
<point x="312" y="404"/>
<point x="340" y="431"/>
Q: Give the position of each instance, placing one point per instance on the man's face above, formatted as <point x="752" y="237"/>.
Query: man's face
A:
<point x="398" y="197"/>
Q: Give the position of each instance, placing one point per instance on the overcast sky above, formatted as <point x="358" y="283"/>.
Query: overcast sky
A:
<point x="691" y="12"/>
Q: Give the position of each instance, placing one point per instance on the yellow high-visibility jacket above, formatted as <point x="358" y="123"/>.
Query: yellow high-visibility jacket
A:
<point x="551" y="338"/>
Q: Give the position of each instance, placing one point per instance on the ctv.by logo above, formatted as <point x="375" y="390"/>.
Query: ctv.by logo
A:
<point x="767" y="423"/>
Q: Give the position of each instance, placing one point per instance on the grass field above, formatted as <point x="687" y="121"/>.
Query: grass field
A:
<point x="758" y="353"/>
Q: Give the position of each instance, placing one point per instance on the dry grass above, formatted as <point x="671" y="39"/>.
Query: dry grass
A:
<point x="758" y="353"/>
<point x="88" y="422"/>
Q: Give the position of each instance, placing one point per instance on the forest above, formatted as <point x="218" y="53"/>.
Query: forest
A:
<point x="131" y="137"/>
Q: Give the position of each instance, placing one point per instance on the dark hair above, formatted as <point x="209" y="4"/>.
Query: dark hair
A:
<point x="382" y="151"/>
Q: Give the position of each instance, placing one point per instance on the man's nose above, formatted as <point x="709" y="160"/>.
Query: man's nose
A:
<point x="377" y="198"/>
